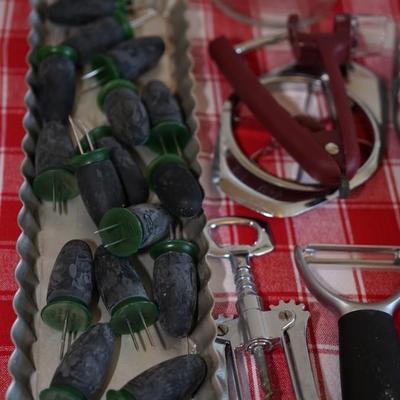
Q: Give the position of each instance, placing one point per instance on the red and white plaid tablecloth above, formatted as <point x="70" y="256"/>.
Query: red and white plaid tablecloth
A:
<point x="370" y="216"/>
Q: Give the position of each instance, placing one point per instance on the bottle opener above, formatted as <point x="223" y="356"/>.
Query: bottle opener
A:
<point x="255" y="330"/>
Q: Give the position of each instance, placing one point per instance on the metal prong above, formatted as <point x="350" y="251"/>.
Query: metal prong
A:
<point x="64" y="333"/>
<point x="114" y="243"/>
<point x="74" y="335"/>
<point x="172" y="230"/>
<point x="60" y="199"/>
<point x="178" y="149"/>
<point x="54" y="196"/>
<point x="86" y="131"/>
<point x="65" y="206"/>
<point x="92" y="74"/>
<point x="69" y="342"/>
<point x="75" y="132"/>
<point x="135" y="343"/>
<point x="164" y="149"/>
<point x="107" y="228"/>
<point x="150" y="13"/>
<point x="89" y="141"/>
<point x="146" y="329"/>
<point x="57" y="198"/>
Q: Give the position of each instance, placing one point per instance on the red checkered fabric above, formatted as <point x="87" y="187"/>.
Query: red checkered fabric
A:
<point x="370" y="216"/>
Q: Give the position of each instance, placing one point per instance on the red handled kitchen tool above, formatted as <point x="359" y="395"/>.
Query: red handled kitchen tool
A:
<point x="255" y="330"/>
<point x="275" y="189"/>
<point x="369" y="346"/>
<point x="335" y="154"/>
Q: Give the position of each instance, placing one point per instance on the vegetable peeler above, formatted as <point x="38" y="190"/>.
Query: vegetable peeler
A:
<point x="369" y="347"/>
<point x="255" y="330"/>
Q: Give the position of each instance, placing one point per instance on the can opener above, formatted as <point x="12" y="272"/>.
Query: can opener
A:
<point x="255" y="330"/>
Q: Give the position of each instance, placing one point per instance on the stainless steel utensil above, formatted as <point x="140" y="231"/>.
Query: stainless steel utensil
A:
<point x="244" y="181"/>
<point x="369" y="347"/>
<point x="256" y="330"/>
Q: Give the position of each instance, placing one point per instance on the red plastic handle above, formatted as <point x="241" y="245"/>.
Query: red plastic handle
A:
<point x="329" y="50"/>
<point x="297" y="140"/>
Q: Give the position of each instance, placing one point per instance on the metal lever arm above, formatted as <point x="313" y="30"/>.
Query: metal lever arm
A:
<point x="294" y="341"/>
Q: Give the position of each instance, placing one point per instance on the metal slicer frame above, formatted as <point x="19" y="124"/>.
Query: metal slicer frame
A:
<point x="364" y="89"/>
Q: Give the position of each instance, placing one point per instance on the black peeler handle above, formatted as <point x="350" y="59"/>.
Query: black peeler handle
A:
<point x="369" y="356"/>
